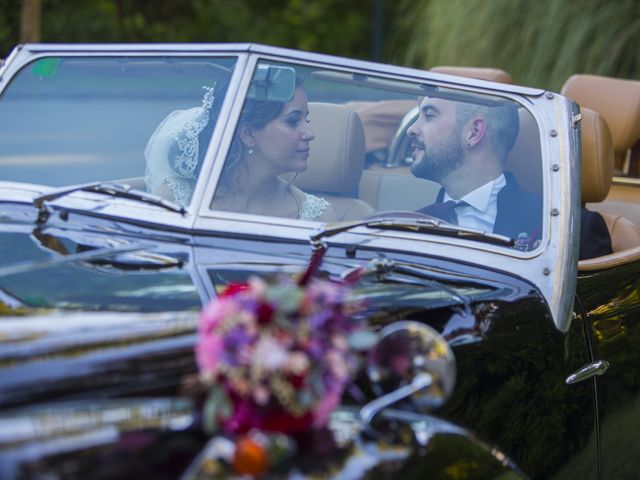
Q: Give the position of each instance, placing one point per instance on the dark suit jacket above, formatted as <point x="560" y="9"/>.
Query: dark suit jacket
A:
<point x="595" y="240"/>
<point x="519" y="216"/>
<point x="519" y="213"/>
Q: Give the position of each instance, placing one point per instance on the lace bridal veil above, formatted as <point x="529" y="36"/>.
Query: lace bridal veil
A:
<point x="173" y="152"/>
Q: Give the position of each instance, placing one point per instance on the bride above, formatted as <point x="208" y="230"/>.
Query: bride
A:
<point x="272" y="138"/>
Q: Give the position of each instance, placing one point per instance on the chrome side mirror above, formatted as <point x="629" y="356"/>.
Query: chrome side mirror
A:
<point x="410" y="360"/>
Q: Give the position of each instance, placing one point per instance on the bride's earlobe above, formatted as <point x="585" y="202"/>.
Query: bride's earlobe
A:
<point x="246" y="136"/>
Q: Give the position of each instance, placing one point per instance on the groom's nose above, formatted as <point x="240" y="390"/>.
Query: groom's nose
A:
<point x="412" y="131"/>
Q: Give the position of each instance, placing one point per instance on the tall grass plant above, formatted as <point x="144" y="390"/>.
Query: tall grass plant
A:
<point x="540" y="43"/>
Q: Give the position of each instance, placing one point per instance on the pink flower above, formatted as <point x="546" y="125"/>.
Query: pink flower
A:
<point x="327" y="404"/>
<point x="340" y="342"/>
<point x="258" y="287"/>
<point x="261" y="395"/>
<point x="337" y="365"/>
<point x="215" y="313"/>
<point x="208" y="353"/>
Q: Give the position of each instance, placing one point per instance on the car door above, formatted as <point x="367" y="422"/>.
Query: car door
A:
<point x="609" y="298"/>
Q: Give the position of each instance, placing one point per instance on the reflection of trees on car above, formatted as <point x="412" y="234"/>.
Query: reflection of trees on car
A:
<point x="505" y="399"/>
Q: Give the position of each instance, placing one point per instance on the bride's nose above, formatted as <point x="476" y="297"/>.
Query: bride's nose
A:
<point x="307" y="134"/>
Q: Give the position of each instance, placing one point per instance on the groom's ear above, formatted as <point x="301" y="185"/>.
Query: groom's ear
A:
<point x="246" y="135"/>
<point x="476" y="131"/>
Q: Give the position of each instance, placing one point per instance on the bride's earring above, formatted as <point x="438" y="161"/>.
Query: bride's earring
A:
<point x="251" y="151"/>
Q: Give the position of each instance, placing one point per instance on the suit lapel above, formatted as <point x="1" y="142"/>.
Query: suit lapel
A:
<point x="519" y="213"/>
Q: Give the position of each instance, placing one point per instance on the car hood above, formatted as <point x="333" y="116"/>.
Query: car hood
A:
<point x="86" y="314"/>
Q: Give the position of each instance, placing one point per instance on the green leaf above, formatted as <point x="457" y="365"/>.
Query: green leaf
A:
<point x="362" y="339"/>
<point x="217" y="406"/>
<point x="286" y="298"/>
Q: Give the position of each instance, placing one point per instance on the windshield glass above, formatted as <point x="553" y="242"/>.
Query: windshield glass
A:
<point x="71" y="120"/>
<point x="343" y="146"/>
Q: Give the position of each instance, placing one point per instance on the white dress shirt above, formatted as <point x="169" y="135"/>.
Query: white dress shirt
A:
<point x="481" y="206"/>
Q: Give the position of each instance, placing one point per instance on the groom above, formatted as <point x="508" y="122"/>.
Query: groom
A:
<point x="464" y="147"/>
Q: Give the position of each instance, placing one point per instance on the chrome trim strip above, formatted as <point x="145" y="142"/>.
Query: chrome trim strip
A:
<point x="265" y="50"/>
<point x="565" y="211"/>
<point x="210" y="172"/>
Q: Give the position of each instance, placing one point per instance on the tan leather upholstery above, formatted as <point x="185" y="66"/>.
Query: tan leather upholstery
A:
<point x="617" y="100"/>
<point x="616" y="259"/>
<point x="380" y="120"/>
<point x="597" y="157"/>
<point x="336" y="160"/>
<point x="491" y="74"/>
<point x="597" y="171"/>
<point x="623" y="199"/>
<point x="624" y="233"/>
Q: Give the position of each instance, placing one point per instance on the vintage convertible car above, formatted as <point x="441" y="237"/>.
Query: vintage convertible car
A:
<point x="114" y="233"/>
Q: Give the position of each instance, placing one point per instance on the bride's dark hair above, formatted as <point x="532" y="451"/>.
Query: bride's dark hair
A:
<point x="255" y="114"/>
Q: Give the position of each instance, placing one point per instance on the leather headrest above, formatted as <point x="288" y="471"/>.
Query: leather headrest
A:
<point x="597" y="157"/>
<point x="491" y="74"/>
<point x="337" y="154"/>
<point x="617" y="100"/>
<point x="380" y="120"/>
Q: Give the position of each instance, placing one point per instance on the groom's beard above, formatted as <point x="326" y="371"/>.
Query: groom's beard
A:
<point x="439" y="160"/>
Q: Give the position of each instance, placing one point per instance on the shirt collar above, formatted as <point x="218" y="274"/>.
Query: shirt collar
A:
<point x="480" y="198"/>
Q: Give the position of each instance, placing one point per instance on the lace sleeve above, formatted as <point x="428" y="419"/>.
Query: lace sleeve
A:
<point x="313" y="207"/>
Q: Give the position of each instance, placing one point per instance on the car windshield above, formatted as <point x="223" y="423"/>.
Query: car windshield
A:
<point x="310" y="143"/>
<point x="72" y="120"/>
<point x="344" y="146"/>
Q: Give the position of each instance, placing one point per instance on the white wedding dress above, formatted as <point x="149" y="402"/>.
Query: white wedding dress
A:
<point x="313" y="207"/>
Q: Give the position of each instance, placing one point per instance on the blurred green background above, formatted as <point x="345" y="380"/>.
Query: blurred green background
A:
<point x="540" y="43"/>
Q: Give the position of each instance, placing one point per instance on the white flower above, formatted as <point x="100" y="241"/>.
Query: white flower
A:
<point x="269" y="353"/>
<point x="298" y="363"/>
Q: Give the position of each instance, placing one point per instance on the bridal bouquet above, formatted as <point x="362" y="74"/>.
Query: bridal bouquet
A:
<point x="277" y="356"/>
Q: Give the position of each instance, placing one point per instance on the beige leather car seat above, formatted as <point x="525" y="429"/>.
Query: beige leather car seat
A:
<point x="336" y="160"/>
<point x="481" y="73"/>
<point x="597" y="172"/>
<point x="617" y="101"/>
